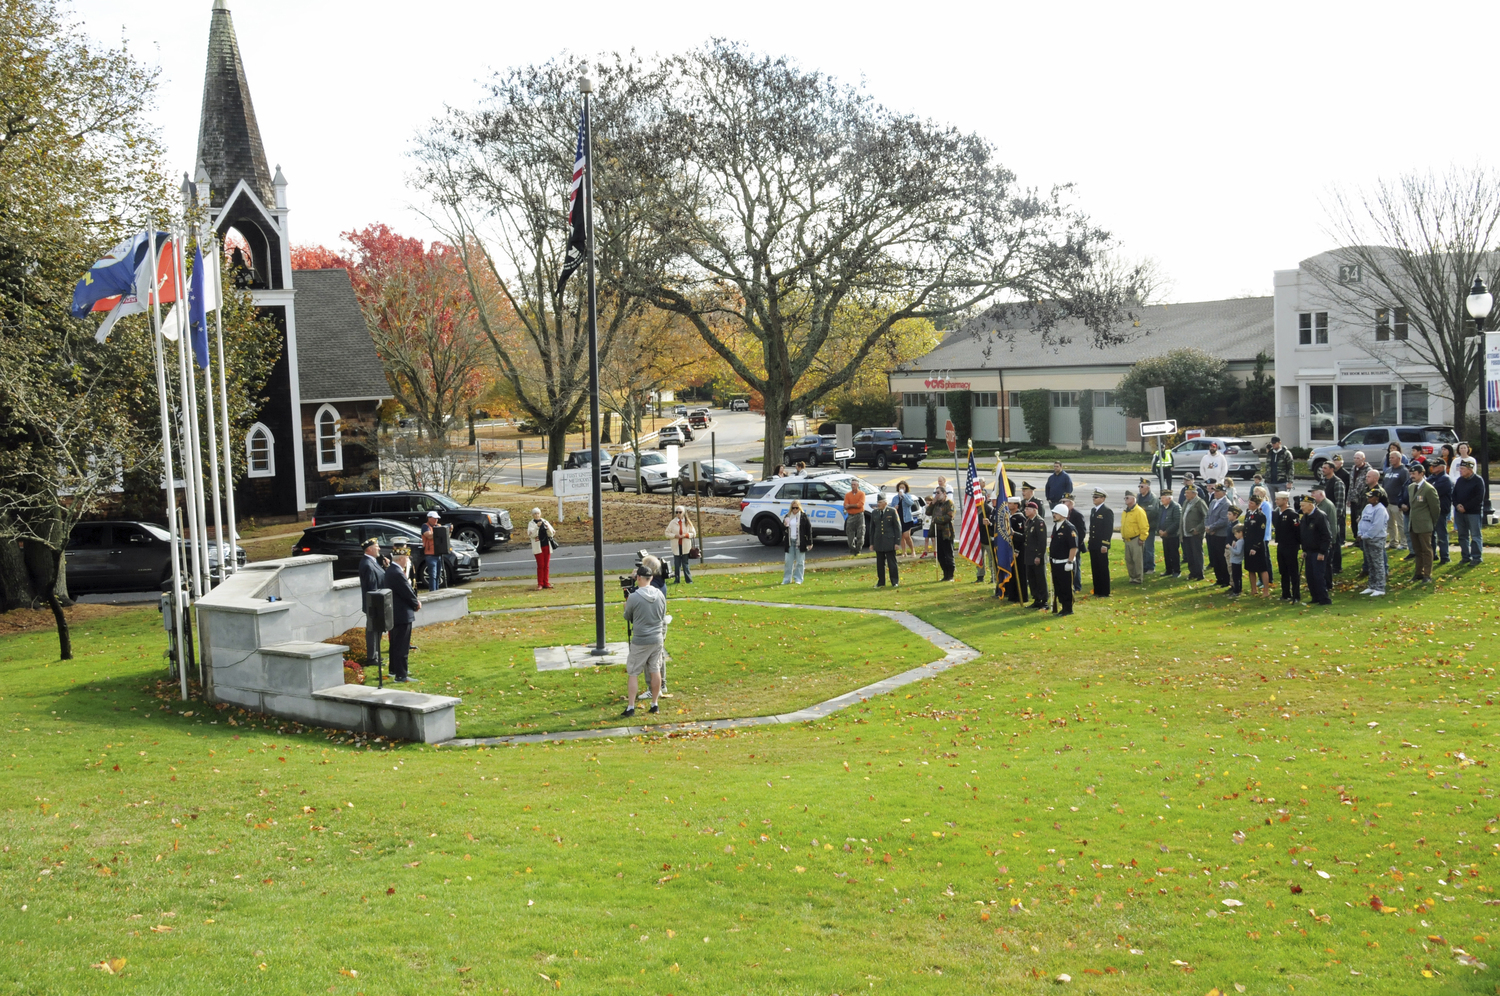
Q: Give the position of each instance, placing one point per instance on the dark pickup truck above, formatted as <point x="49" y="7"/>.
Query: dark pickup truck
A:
<point x="883" y="447"/>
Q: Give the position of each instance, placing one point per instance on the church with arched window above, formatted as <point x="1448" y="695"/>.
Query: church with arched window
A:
<point x="316" y="433"/>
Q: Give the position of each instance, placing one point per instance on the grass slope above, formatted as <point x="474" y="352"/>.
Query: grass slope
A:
<point x="1092" y="799"/>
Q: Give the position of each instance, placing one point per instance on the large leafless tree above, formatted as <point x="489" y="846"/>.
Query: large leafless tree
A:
<point x="498" y="176"/>
<point x="794" y="202"/>
<point x="1409" y="250"/>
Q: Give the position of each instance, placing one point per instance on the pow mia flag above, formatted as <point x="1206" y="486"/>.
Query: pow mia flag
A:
<point x="577" y="237"/>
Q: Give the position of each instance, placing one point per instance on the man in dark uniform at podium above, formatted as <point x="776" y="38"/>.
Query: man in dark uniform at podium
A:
<point x="371" y="579"/>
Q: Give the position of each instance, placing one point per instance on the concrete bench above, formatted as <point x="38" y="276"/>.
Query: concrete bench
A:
<point x="389" y="712"/>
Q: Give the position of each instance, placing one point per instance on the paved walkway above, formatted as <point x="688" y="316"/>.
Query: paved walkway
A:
<point x="955" y="652"/>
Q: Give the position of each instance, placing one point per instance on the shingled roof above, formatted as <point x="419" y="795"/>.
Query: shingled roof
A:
<point x="229" y="144"/>
<point x="336" y="357"/>
<point x="1233" y="330"/>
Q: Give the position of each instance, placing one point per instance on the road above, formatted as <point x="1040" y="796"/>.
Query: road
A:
<point x="619" y="558"/>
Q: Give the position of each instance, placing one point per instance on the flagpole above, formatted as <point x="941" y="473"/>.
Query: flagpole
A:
<point x="200" y="529"/>
<point x="189" y="492"/>
<point x="586" y="85"/>
<point x="213" y="435"/>
<point x="224" y="412"/>
<point x="166" y="466"/>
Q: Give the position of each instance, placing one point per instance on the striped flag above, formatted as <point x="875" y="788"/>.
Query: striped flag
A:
<point x="970" y="536"/>
<point x="577" y="237"/>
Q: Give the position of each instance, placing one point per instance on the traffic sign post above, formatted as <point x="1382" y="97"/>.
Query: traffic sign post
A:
<point x="1164" y="427"/>
<point x="842" y="458"/>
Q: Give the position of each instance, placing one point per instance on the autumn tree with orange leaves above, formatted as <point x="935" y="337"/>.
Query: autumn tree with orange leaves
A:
<point x="421" y="314"/>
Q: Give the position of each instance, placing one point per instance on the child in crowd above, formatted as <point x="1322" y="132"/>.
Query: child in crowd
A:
<point x="1237" y="562"/>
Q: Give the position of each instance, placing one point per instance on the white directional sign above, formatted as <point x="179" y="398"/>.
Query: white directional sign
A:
<point x="1165" y="427"/>
<point x="843" y="454"/>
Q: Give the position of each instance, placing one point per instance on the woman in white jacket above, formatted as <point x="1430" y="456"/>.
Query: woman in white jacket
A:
<point x="681" y="532"/>
<point x="541" y="533"/>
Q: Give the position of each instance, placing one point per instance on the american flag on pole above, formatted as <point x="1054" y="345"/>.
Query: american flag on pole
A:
<point x="577" y="237"/>
<point x="971" y="536"/>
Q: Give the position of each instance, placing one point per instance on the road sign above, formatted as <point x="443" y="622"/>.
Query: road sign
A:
<point x="843" y="454"/>
<point x="1165" y="427"/>
<point x="951" y="435"/>
<point x="572" y="483"/>
<point x="843" y="436"/>
<point x="1156" y="404"/>
<point x="1192" y="433"/>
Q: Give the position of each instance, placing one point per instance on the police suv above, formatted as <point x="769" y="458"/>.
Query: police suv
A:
<point x="822" y="497"/>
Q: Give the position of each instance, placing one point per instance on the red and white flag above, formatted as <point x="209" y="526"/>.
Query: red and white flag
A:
<point x="971" y="535"/>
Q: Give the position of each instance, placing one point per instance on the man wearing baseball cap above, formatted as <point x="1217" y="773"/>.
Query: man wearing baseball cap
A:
<point x="431" y="561"/>
<point x="646" y="612"/>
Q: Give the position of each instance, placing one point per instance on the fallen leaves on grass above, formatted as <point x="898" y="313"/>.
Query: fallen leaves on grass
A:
<point x="110" y="966"/>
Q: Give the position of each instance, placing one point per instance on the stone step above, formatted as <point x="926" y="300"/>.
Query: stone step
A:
<point x="390" y="712"/>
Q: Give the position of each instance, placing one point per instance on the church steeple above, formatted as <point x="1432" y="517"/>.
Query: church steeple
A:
<point x="229" y="145"/>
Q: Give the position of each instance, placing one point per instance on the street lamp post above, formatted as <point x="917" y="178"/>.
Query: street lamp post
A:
<point x="1480" y="302"/>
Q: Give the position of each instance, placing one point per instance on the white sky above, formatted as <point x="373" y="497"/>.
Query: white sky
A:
<point x="1206" y="135"/>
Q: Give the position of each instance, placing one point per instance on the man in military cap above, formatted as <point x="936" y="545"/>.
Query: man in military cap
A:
<point x="1288" y="543"/>
<point x="1147" y="502"/>
<point x="1330" y="512"/>
<point x="1315" y="535"/>
<point x="405" y="606"/>
<point x="1194" y="527"/>
<point x="1063" y="552"/>
<point x="1035" y="546"/>
<point x="1187" y="482"/>
<point x="1017" y="590"/>
<point x="1216" y="527"/>
<point x="1080" y="526"/>
<point x="1101" y="532"/>
<point x="1028" y="495"/>
<point x="1169" y="528"/>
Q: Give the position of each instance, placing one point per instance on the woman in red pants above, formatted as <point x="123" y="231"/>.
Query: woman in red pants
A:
<point x="541" y="533"/>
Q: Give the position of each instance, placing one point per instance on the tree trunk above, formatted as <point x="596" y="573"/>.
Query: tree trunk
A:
<point x="777" y="408"/>
<point x="64" y="637"/>
<point x="557" y="449"/>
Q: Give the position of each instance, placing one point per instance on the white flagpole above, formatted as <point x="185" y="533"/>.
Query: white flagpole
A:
<point x="200" y="530"/>
<point x="213" y="436"/>
<point x="189" y="491"/>
<point x="166" y="468"/>
<point x="224" y="413"/>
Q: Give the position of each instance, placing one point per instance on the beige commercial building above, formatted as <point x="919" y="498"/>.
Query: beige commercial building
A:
<point x="996" y="362"/>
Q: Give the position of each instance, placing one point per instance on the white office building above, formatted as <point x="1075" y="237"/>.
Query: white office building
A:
<point x="1338" y="368"/>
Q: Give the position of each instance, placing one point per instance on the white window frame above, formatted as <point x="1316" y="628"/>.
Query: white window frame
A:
<point x="270" y="470"/>
<point x="337" y="463"/>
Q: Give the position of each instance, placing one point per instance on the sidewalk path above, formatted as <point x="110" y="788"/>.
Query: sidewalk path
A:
<point x="955" y="652"/>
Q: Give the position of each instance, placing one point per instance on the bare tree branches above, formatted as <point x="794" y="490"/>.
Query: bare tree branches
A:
<point x="1416" y="244"/>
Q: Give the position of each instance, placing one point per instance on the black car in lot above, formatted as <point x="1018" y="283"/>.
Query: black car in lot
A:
<point x="811" y="450"/>
<point x="125" y="556"/>
<point x="578" y="459"/>
<point x="345" y="540"/>
<point x="481" y="528"/>
<point x="715" y="477"/>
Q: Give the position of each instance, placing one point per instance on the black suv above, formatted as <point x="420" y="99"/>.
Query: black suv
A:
<point x="126" y="556"/>
<point x="345" y="540"/>
<point x="481" y="528"/>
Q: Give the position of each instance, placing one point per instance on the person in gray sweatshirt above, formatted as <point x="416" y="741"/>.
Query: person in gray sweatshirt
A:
<point x="646" y="612"/>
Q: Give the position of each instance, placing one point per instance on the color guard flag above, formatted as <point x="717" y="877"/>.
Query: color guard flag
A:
<point x="970" y="536"/>
<point x="197" y="313"/>
<point x="1005" y="551"/>
<point x="105" y="288"/>
<point x="577" y="237"/>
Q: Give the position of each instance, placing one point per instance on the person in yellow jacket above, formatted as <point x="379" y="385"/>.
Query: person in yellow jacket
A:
<point x="1134" y="528"/>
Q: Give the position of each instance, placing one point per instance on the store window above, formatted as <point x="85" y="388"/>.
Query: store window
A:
<point x="1360" y="405"/>
<point x="914" y="400"/>
<point x="1414" y="407"/>
<point x="986" y="399"/>
<point x="1320" y="422"/>
<point x="1064" y="399"/>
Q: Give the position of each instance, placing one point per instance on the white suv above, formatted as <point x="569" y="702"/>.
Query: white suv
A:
<point x="656" y="473"/>
<point x="822" y="500"/>
<point x="739" y="405"/>
<point x="669" y="435"/>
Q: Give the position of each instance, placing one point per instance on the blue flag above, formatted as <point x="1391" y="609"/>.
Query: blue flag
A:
<point x="114" y="274"/>
<point x="1005" y="551"/>
<point x="197" y="313"/>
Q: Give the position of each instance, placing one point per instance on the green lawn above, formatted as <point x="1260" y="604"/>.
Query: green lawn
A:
<point x="1168" y="793"/>
<point x="727" y="661"/>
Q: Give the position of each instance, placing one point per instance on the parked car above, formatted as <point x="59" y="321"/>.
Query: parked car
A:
<point x="125" y="555"/>
<point x="822" y="499"/>
<point x="883" y="447"/>
<point x="739" y="405"/>
<point x="655" y="472"/>
<point x="345" y="540"/>
<point x="812" y="450"/>
<point x="670" y="435"/>
<point x="482" y="528"/>
<point x="1244" y="462"/>
<point x="582" y="458"/>
<point x="1374" y="439"/>
<point x="715" y="477"/>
